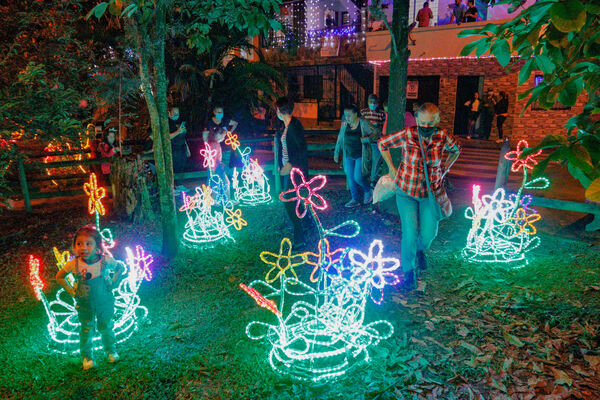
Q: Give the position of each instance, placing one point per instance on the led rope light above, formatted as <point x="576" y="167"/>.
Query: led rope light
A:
<point x="63" y="322"/>
<point x="502" y="229"/>
<point x="323" y="333"/>
<point x="252" y="187"/>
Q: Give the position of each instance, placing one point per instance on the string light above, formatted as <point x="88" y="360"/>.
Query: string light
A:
<point x="323" y="333"/>
<point x="232" y="140"/>
<point x="383" y="62"/>
<point x="95" y="195"/>
<point x="235" y="218"/>
<point x="209" y="155"/>
<point x="502" y="229"/>
<point x="203" y="225"/>
<point x="63" y="322"/>
<point x="34" y="277"/>
<point x="305" y="192"/>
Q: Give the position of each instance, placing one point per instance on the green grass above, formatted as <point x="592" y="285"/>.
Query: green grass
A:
<point x="475" y="329"/>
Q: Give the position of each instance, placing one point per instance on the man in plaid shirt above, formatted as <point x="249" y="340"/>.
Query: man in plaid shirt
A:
<point x="419" y="223"/>
<point x="375" y="116"/>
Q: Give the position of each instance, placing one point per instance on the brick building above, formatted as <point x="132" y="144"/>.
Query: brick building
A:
<point x="346" y="68"/>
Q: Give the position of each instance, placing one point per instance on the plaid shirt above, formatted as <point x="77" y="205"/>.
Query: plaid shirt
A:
<point x="410" y="177"/>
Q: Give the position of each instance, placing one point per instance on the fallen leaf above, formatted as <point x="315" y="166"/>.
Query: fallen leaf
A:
<point x="561" y="377"/>
<point x="512" y="339"/>
<point x="507" y="363"/>
<point x="593" y="360"/>
<point x="429" y="325"/>
<point x="464" y="331"/>
<point x="472" y="348"/>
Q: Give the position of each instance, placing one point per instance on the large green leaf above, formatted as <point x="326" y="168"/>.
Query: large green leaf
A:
<point x="568" y="15"/>
<point x="501" y="49"/>
<point x="592" y="192"/>
<point x="544" y="63"/>
<point x="525" y="72"/>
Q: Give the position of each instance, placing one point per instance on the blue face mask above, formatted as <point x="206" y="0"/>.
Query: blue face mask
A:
<point x="372" y="107"/>
<point x="219" y="115"/>
<point x="175" y="117"/>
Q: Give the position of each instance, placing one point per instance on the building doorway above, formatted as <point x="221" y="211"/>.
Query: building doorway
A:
<point x="466" y="86"/>
<point x="426" y="89"/>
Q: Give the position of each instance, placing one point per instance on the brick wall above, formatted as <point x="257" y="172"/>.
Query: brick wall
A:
<point x="533" y="125"/>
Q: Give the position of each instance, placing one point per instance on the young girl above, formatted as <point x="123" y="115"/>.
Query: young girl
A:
<point x="96" y="274"/>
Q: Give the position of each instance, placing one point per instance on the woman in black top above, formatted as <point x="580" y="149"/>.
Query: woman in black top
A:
<point x="292" y="154"/>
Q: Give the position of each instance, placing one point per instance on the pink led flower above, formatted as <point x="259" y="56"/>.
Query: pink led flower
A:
<point x="518" y="163"/>
<point x="329" y="258"/>
<point x="305" y="192"/>
<point x="209" y="155"/>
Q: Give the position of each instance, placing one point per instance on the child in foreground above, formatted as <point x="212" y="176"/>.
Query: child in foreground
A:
<point x="96" y="274"/>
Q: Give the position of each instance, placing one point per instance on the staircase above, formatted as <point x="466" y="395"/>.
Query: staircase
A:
<point x="357" y="91"/>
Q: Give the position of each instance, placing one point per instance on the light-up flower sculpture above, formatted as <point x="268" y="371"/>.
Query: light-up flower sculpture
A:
<point x="320" y="331"/>
<point x="209" y="155"/>
<point x="502" y="229"/>
<point x="95" y="207"/>
<point x="251" y="187"/>
<point x="204" y="225"/>
<point x="63" y="322"/>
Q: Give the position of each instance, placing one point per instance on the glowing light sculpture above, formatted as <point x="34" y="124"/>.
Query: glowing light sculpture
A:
<point x="502" y="230"/>
<point x="251" y="187"/>
<point x="204" y="226"/>
<point x="320" y="331"/>
<point x="95" y="207"/>
<point x="63" y="322"/>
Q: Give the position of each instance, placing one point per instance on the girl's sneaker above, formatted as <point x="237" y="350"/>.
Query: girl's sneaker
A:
<point x="88" y="363"/>
<point x="352" y="203"/>
<point x="113" y="357"/>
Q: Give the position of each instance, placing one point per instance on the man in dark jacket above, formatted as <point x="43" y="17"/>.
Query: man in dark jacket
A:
<point x="292" y="154"/>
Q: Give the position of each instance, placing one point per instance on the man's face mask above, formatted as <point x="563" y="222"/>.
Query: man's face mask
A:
<point x="426" y="130"/>
<point x="219" y="115"/>
<point x="372" y="106"/>
<point x="175" y="117"/>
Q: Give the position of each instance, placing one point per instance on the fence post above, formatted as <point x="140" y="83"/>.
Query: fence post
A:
<point x="276" y="166"/>
<point x="503" y="166"/>
<point x="24" y="188"/>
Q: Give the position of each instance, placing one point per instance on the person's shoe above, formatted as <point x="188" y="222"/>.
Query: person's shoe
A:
<point x="409" y="282"/>
<point x="421" y="261"/>
<point x="469" y="137"/>
<point x="352" y="203"/>
<point x="499" y="141"/>
<point x="113" y="357"/>
<point x="368" y="197"/>
<point x="88" y="363"/>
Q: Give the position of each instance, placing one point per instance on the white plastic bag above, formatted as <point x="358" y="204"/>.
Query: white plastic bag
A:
<point x="385" y="188"/>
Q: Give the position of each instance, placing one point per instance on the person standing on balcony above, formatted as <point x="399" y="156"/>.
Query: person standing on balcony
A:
<point x="419" y="224"/>
<point x="424" y="15"/>
<point x="354" y="140"/>
<point x="293" y="153"/>
<point x="376" y="117"/>
<point x="472" y="12"/>
<point x="458" y="12"/>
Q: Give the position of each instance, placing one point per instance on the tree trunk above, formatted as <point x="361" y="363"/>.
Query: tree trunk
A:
<point x="152" y="49"/>
<point x="397" y="87"/>
<point x="131" y="199"/>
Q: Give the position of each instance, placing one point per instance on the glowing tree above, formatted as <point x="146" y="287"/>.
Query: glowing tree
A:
<point x="251" y="187"/>
<point x="63" y="322"/>
<point x="320" y="330"/>
<point x="503" y="228"/>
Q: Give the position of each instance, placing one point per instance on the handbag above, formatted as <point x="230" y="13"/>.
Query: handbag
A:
<point x="439" y="201"/>
<point x="384" y="189"/>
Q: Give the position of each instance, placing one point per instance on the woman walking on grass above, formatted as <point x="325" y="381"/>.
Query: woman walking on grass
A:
<point x="418" y="216"/>
<point x="354" y="141"/>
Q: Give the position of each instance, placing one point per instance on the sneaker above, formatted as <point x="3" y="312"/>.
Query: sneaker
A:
<point x="88" y="363"/>
<point x="499" y="141"/>
<point x="409" y="283"/>
<point x="368" y="198"/>
<point x="113" y="357"/>
<point x="352" y="203"/>
<point x="421" y="261"/>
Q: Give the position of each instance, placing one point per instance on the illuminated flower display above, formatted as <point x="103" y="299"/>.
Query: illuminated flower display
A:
<point x="95" y="195"/>
<point x="305" y="193"/>
<point x="320" y="331"/>
<point x="63" y="322"/>
<point x="502" y="229"/>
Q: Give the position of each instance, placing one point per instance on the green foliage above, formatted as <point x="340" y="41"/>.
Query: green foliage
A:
<point x="561" y="38"/>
